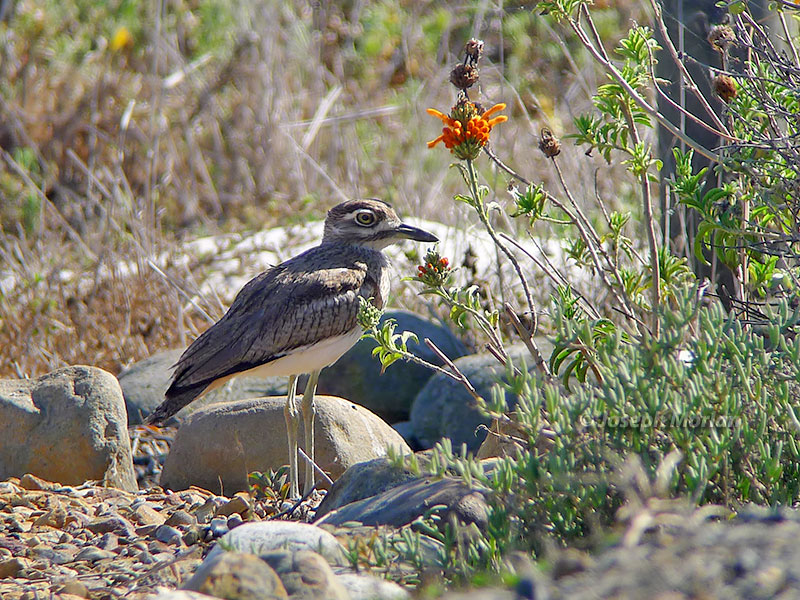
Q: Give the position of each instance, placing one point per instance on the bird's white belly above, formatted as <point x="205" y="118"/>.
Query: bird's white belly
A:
<point x="308" y="358"/>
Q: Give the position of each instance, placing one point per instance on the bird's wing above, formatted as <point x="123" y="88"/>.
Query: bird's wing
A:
<point x="272" y="315"/>
<point x="278" y="311"/>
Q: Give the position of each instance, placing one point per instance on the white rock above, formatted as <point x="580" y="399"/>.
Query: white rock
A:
<point x="367" y="587"/>
<point x="267" y="536"/>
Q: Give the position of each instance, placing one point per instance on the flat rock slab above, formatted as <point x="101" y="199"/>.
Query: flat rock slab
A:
<point x="402" y="504"/>
<point x="269" y="536"/>
<point x="224" y="442"/>
<point x="363" y="480"/>
<point x="145" y="382"/>
<point x="68" y="426"/>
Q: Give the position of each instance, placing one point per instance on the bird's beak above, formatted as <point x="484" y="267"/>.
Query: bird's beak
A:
<point x="415" y="233"/>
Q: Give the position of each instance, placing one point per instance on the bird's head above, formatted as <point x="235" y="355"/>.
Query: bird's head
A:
<point x="370" y="223"/>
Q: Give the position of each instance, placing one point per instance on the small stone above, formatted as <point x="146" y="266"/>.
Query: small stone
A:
<point x="11" y="567"/>
<point x="191" y="537"/>
<point x="267" y="536"/>
<point x="363" y="587"/>
<point x="93" y="554"/>
<point x="65" y="538"/>
<point x="51" y="555"/>
<point x="305" y="574"/>
<point x="107" y="541"/>
<point x="181" y="517"/>
<point x="234" y="521"/>
<point x="169" y="535"/>
<point x="209" y="508"/>
<point x="157" y="547"/>
<point x="237" y="505"/>
<point x="31" y="482"/>
<point x="117" y="524"/>
<point x="56" y="518"/>
<point x="218" y="526"/>
<point x="145" y="514"/>
<point x="145" y="558"/>
<point x="75" y="588"/>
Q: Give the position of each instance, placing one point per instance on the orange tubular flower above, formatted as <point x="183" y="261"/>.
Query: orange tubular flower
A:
<point x="466" y="131"/>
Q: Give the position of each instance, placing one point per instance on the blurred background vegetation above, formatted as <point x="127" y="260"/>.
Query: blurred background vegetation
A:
<point x="128" y="126"/>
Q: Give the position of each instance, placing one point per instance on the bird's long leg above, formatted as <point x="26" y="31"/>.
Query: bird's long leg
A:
<point x="308" y="426"/>
<point x="292" y="415"/>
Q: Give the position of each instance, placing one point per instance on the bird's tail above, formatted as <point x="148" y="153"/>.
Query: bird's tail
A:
<point x="176" y="399"/>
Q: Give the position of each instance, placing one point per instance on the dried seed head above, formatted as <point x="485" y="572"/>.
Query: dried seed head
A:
<point x="473" y="50"/>
<point x="725" y="87"/>
<point x="721" y="37"/>
<point x="550" y="145"/>
<point x="464" y="76"/>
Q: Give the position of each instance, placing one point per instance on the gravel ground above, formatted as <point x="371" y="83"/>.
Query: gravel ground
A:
<point x="68" y="542"/>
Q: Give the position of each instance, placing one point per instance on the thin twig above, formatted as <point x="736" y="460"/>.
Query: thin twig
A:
<point x="636" y="96"/>
<point x="456" y="373"/>
<point x="687" y="78"/>
<point x="308" y="460"/>
<point x="527" y="339"/>
<point x="647" y="204"/>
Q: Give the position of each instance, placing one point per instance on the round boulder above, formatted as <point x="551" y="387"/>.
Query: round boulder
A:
<point x="222" y="443"/>
<point x="67" y="426"/>
<point x="444" y="409"/>
<point x="236" y="576"/>
<point x="357" y="375"/>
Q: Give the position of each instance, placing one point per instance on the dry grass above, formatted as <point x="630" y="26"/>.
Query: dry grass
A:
<point x="220" y="116"/>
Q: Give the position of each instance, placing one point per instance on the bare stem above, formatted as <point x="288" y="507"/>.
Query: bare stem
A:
<point x="495" y="238"/>
<point x="647" y="205"/>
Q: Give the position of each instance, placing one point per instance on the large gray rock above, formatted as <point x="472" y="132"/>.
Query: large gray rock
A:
<point x="268" y="536"/>
<point x="402" y="504"/>
<point x="357" y="375"/>
<point x="224" y="442"/>
<point x="361" y="481"/>
<point x="67" y="426"/>
<point x="236" y="576"/>
<point x="444" y="409"/>
<point x="145" y="382"/>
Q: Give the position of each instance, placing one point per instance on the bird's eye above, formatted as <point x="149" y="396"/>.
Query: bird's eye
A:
<point x="365" y="218"/>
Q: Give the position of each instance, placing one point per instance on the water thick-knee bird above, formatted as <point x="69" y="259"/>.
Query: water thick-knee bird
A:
<point x="297" y="317"/>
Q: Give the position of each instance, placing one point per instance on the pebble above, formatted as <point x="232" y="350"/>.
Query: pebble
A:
<point x="217" y="528"/>
<point x="181" y="517"/>
<point x="236" y="505"/>
<point x="234" y="521"/>
<point x="115" y="523"/>
<point x="145" y="514"/>
<point x="11" y="567"/>
<point x="75" y="588"/>
<point x="169" y="535"/>
<point x="191" y="537"/>
<point x="92" y="554"/>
